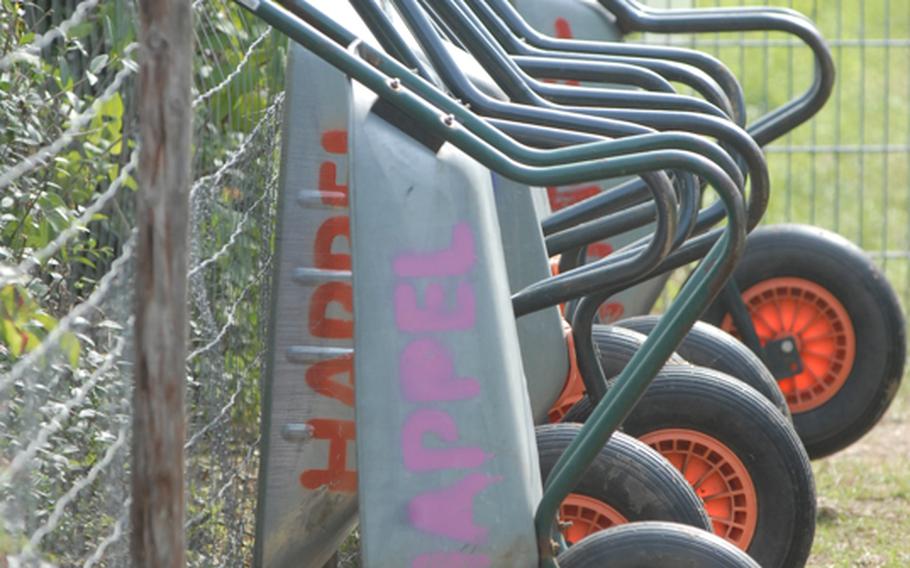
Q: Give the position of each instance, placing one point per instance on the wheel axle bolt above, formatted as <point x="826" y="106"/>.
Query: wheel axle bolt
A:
<point x="563" y="525"/>
<point x="787" y="346"/>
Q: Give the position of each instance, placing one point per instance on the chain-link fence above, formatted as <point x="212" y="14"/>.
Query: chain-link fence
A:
<point x="67" y="160"/>
<point x="847" y="170"/>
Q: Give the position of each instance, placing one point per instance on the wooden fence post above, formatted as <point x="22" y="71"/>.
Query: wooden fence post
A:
<point x="159" y="431"/>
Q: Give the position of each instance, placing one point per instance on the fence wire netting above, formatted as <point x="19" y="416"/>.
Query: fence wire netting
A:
<point x="67" y="165"/>
<point x="848" y="170"/>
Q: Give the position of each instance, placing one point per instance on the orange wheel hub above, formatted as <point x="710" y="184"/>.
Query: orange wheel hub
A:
<point x="719" y="478"/>
<point x="821" y="328"/>
<point x="585" y="515"/>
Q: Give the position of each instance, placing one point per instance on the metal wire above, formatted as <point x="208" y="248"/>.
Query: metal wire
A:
<point x="31" y="51"/>
<point x="75" y="129"/>
<point x="100" y="201"/>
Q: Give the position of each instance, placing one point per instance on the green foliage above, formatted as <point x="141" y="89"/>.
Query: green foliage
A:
<point x="25" y="323"/>
<point x="41" y="98"/>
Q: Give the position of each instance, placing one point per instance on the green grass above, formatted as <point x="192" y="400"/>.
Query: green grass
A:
<point x="864" y="497"/>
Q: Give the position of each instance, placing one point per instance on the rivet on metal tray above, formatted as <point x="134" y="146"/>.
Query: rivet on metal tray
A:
<point x="448" y="120"/>
<point x="296" y="432"/>
<point x="395" y="84"/>
<point x="310" y="354"/>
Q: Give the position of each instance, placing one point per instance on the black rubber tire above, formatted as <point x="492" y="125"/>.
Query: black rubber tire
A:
<point x="733" y="413"/>
<point x="629" y="476"/>
<point x="709" y="346"/>
<point x="616" y="345"/>
<point x="843" y="269"/>
<point x="654" y="545"/>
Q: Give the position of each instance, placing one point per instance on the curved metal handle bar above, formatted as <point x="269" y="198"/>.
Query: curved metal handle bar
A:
<point x="480" y="42"/>
<point x="707" y="75"/>
<point x="473" y="33"/>
<point x="588" y="276"/>
<point x="498" y="64"/>
<point x="553" y="67"/>
<point x="605" y="226"/>
<point x="585" y="311"/>
<point x="604" y="203"/>
<point x="439" y="54"/>
<point x="729" y="11"/>
<point x="590" y="273"/>
<point x="609" y="225"/>
<point x="521" y="87"/>
<point x="630" y="194"/>
<point x="696" y="294"/>
<point x="516" y="85"/>
<point x="450" y="71"/>
<point x="472" y="134"/>
<point x="595" y="71"/>
<point x="383" y="29"/>
<point x="571" y="242"/>
<point x="589" y="71"/>
<point x="618" y="73"/>
<point x="626" y="195"/>
<point x="632" y="17"/>
<point x="637" y="138"/>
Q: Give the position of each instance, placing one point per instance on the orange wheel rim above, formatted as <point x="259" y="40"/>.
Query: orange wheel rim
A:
<point x="585" y="515"/>
<point x="719" y="478"/>
<point x="819" y="324"/>
<point x="574" y="388"/>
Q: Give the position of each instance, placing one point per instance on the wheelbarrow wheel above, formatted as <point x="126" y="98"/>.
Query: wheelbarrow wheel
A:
<point x="826" y="294"/>
<point x="628" y="481"/>
<point x="740" y="454"/>
<point x="617" y="345"/>
<point x="709" y="346"/>
<point x="655" y="545"/>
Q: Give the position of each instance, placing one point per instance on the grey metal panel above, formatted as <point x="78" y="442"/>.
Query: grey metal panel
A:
<point x="585" y="19"/>
<point x="541" y="202"/>
<point x="448" y="464"/>
<point x="298" y="521"/>
<point x="543" y="345"/>
<point x="307" y="496"/>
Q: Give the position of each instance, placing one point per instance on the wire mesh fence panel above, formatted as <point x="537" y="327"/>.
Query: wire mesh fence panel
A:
<point x="847" y="170"/>
<point x="67" y="160"/>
